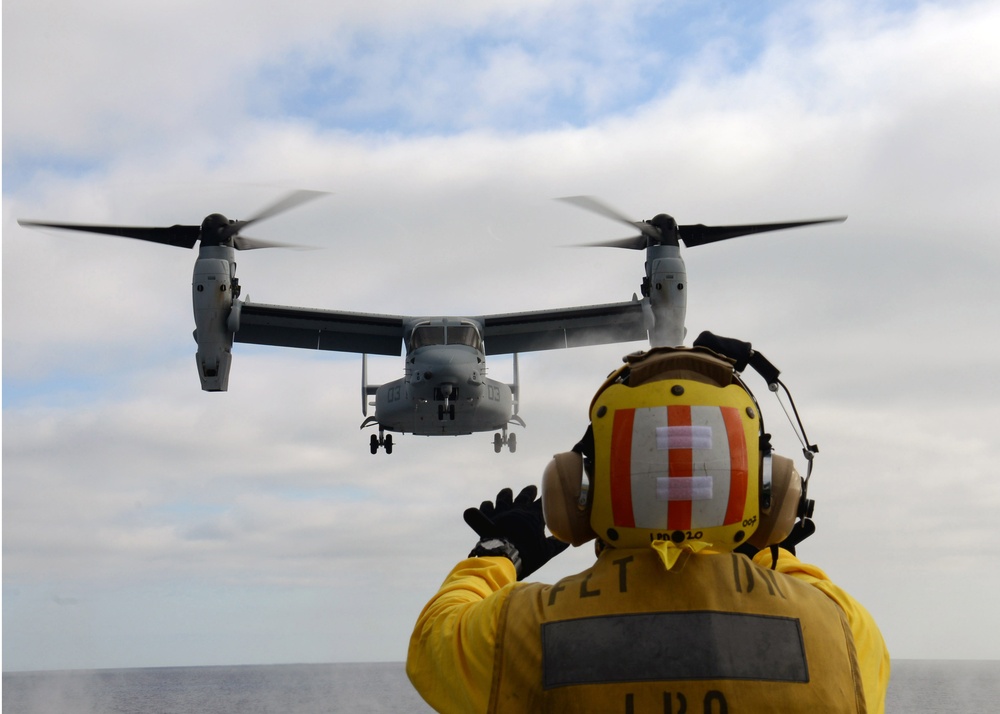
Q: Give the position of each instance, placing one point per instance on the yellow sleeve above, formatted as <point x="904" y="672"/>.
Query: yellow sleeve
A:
<point x="873" y="655"/>
<point x="450" y="658"/>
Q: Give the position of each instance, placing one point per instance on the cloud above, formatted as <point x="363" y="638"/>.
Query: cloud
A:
<point x="443" y="133"/>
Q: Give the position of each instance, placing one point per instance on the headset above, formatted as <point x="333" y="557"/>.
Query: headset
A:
<point x="615" y="484"/>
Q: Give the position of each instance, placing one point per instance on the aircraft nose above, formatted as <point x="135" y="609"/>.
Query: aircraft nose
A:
<point x="447" y="368"/>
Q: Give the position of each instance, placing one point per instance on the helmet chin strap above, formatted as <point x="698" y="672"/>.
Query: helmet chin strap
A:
<point x="802" y="529"/>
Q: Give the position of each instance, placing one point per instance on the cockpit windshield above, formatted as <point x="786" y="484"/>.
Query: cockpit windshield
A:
<point x="463" y="335"/>
<point x="458" y="334"/>
<point x="426" y="335"/>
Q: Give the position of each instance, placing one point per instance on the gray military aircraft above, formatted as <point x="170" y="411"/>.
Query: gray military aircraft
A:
<point x="444" y="389"/>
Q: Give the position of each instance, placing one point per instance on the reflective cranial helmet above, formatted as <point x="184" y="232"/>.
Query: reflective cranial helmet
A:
<point x="676" y="452"/>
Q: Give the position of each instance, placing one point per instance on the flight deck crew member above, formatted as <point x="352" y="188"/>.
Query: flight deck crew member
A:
<point x="690" y="606"/>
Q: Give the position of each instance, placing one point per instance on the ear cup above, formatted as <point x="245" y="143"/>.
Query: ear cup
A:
<point x="786" y="493"/>
<point x="562" y="483"/>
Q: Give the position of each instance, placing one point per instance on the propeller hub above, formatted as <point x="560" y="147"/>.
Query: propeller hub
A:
<point x="215" y="230"/>
<point x="664" y="222"/>
<point x="667" y="227"/>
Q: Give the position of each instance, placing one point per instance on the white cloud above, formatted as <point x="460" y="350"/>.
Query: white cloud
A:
<point x="125" y="484"/>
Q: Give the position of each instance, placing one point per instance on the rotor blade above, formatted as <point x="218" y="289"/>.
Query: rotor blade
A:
<point x="245" y="243"/>
<point x="699" y="234"/>
<point x="288" y="202"/>
<point x="180" y="236"/>
<point x="633" y="243"/>
<point x="590" y="203"/>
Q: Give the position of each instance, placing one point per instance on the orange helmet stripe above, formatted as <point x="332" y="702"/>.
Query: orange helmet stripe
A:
<point x="739" y="465"/>
<point x="621" y="468"/>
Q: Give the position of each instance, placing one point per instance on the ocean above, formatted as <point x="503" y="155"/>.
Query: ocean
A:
<point x="917" y="687"/>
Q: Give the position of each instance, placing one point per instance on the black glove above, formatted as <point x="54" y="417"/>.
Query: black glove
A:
<point x="518" y="522"/>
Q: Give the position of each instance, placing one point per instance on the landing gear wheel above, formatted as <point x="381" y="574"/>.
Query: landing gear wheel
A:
<point x="383" y="441"/>
<point x="497" y="443"/>
<point x="512" y="443"/>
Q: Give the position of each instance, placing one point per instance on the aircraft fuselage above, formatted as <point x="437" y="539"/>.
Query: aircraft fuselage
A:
<point x="444" y="391"/>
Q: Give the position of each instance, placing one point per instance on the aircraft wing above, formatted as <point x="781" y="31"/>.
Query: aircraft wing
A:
<point x="568" y="327"/>
<point x="319" y="329"/>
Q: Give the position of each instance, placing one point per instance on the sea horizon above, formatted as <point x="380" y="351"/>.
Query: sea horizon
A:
<point x="360" y="662"/>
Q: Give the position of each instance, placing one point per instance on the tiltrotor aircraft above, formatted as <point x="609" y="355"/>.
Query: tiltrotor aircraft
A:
<point x="444" y="389"/>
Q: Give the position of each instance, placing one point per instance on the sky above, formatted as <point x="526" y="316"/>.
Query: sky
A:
<point x="148" y="523"/>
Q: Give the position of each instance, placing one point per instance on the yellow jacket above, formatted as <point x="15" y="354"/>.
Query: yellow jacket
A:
<point x="468" y="653"/>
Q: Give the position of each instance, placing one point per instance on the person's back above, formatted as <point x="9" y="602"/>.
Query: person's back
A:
<point x="714" y="633"/>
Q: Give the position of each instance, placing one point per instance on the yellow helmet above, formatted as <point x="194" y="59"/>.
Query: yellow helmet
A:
<point x="677" y="453"/>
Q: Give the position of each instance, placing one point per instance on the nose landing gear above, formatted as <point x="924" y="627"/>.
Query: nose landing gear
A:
<point x="446" y="410"/>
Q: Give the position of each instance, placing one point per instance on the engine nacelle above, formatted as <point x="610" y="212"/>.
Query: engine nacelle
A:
<point x="213" y="297"/>
<point x="667" y="296"/>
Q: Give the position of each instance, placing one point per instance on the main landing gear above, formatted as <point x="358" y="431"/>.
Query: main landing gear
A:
<point x="384" y="441"/>
<point x="501" y="440"/>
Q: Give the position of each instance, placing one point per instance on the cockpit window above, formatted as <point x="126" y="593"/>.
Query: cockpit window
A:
<point x="424" y="335"/>
<point x="463" y="335"/>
